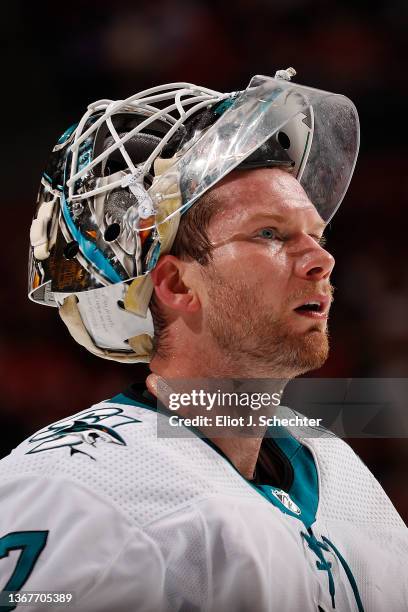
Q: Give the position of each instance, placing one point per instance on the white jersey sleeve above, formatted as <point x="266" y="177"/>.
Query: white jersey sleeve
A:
<point x="63" y="538"/>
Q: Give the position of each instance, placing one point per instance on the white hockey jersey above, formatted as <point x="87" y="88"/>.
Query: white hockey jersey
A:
<point x="97" y="505"/>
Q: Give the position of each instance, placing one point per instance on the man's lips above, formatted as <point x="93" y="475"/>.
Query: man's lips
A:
<point x="314" y="307"/>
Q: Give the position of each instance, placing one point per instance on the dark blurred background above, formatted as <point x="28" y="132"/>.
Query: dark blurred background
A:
<point x="59" y="56"/>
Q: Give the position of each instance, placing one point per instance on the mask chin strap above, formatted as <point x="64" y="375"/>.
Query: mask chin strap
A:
<point x="141" y="344"/>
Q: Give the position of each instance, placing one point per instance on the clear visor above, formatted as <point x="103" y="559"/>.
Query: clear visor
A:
<point x="318" y="130"/>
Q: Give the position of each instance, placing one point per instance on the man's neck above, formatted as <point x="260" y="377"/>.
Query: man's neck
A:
<point x="242" y="450"/>
<point x="243" y="453"/>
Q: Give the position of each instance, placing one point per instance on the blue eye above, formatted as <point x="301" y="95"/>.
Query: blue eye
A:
<point x="267" y="233"/>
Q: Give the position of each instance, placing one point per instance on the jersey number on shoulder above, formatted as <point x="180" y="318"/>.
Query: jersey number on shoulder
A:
<point x="31" y="544"/>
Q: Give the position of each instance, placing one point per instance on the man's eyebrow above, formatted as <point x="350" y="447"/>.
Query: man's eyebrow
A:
<point x="267" y="216"/>
<point x="319" y="226"/>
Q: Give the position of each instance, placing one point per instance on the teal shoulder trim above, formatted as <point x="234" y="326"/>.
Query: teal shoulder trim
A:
<point x="123" y="399"/>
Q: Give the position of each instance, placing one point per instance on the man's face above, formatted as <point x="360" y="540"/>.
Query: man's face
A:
<point x="267" y="262"/>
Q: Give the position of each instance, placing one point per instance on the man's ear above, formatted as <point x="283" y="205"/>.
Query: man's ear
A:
<point x="171" y="287"/>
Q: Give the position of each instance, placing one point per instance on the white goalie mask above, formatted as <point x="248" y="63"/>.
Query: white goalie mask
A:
<point x="117" y="183"/>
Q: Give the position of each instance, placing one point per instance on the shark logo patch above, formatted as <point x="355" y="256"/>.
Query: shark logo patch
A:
<point x="86" y="429"/>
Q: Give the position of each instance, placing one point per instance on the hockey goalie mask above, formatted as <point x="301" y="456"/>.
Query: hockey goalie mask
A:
<point x="117" y="182"/>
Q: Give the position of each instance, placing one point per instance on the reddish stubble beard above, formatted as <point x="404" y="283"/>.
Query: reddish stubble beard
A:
<point x="260" y="342"/>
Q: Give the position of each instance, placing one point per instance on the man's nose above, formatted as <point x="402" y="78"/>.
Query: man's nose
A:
<point x="314" y="263"/>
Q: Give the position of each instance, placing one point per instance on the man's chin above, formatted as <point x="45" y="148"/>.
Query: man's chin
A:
<point x="290" y="355"/>
<point x="275" y="348"/>
<point x="308" y="352"/>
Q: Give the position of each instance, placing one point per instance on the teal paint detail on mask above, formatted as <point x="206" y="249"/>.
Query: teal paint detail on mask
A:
<point x="84" y="160"/>
<point x="88" y="249"/>
<point x="67" y="134"/>
<point x="154" y="257"/>
<point x="224" y="105"/>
